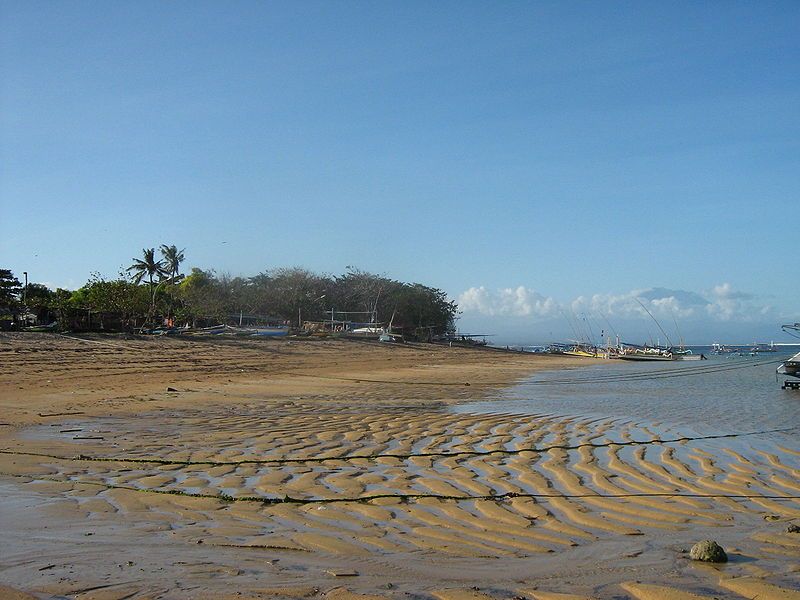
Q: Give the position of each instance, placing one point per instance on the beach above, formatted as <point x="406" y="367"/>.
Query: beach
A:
<point x="165" y="467"/>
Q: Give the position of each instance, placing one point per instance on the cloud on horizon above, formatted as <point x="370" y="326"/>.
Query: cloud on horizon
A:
<point x="720" y="303"/>
<point x="507" y="302"/>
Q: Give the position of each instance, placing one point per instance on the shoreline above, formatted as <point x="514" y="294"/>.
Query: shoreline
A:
<point x="345" y="422"/>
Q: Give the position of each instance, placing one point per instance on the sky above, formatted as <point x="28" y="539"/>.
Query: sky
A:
<point x="540" y="161"/>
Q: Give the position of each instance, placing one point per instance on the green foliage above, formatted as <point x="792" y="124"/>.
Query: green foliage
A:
<point x="61" y="304"/>
<point x="147" y="266"/>
<point x="172" y="260"/>
<point x="38" y="296"/>
<point x="416" y="309"/>
<point x="293" y="294"/>
<point x="118" y="296"/>
<point x="287" y="293"/>
<point x="10" y="290"/>
<point x="203" y="297"/>
<point x="284" y="294"/>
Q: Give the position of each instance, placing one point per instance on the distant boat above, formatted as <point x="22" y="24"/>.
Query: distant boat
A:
<point x="717" y="348"/>
<point x="758" y="348"/>
<point x="686" y="354"/>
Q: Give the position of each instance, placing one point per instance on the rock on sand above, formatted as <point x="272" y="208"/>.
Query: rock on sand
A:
<point x="708" y="551"/>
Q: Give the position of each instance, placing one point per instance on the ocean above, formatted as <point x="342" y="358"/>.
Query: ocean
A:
<point x="720" y="396"/>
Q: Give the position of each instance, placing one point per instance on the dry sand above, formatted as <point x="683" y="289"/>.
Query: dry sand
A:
<point x="333" y="469"/>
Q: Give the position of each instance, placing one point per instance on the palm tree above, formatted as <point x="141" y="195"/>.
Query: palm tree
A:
<point x="149" y="266"/>
<point x="172" y="263"/>
<point x="172" y="260"/>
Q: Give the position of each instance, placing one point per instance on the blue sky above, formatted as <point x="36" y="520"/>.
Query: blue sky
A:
<point x="574" y="150"/>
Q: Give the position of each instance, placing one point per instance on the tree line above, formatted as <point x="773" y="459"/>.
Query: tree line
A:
<point x="153" y="292"/>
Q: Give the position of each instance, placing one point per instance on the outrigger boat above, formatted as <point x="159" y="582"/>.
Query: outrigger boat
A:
<point x="791" y="367"/>
<point x="686" y="354"/>
<point x="646" y="354"/>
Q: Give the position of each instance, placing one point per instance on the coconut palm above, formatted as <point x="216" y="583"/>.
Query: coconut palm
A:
<point x="172" y="260"/>
<point x="150" y="267"/>
<point x="147" y="265"/>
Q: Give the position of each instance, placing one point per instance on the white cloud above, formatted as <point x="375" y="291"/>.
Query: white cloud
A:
<point x="728" y="304"/>
<point x="659" y="301"/>
<point x="721" y="303"/>
<point x="516" y="302"/>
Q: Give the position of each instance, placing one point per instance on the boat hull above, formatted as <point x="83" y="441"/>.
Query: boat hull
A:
<point x="268" y="331"/>
<point x="791" y="367"/>
<point x="645" y="357"/>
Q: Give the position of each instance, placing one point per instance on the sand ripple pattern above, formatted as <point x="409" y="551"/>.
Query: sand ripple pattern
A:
<point x="595" y="491"/>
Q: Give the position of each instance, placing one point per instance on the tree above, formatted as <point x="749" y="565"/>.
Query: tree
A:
<point x="172" y="260"/>
<point x="292" y="294"/>
<point x="38" y="296"/>
<point x="149" y="266"/>
<point x="363" y="292"/>
<point x="418" y="310"/>
<point x="124" y="299"/>
<point x="61" y="304"/>
<point x="202" y="297"/>
<point x="172" y="263"/>
<point x="10" y="289"/>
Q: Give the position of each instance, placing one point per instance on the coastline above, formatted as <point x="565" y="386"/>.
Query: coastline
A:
<point x="327" y="424"/>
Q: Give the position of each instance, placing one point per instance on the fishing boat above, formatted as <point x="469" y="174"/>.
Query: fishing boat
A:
<point x="791" y="367"/>
<point x="582" y="350"/>
<point x="759" y="348"/>
<point x="717" y="348"/>
<point x="646" y="357"/>
<point x="686" y="354"/>
<point x="367" y="330"/>
<point x="645" y="353"/>
<point x="278" y="331"/>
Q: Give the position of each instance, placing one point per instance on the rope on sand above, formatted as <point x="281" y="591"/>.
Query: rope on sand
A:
<point x="593" y="379"/>
<point x="402" y="497"/>
<point x="321" y="459"/>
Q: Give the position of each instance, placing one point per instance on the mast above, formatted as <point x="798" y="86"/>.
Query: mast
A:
<point x="656" y="321"/>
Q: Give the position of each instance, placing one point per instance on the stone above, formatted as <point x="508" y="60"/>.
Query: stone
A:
<point x="708" y="551"/>
<point x="792" y="528"/>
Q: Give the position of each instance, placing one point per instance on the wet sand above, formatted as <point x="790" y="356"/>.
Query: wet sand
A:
<point x="332" y="469"/>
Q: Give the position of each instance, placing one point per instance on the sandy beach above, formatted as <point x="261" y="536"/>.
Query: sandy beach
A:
<point x="192" y="468"/>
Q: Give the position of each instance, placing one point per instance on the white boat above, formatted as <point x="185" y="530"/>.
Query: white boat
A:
<point x="278" y="331"/>
<point x="791" y="367"/>
<point x="650" y="354"/>
<point x="683" y="353"/>
<point x="689" y="356"/>
<point x="371" y="330"/>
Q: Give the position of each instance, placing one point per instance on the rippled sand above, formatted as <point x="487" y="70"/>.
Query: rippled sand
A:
<point x="332" y="469"/>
